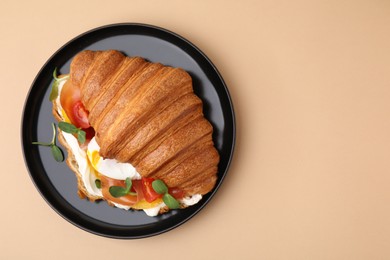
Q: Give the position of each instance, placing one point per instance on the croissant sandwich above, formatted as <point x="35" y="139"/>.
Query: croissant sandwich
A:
<point x="135" y="132"/>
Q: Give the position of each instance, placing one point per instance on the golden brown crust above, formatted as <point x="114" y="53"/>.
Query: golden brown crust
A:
<point x="100" y="71"/>
<point x="108" y="96"/>
<point x="145" y="139"/>
<point x="82" y="62"/>
<point x="120" y="102"/>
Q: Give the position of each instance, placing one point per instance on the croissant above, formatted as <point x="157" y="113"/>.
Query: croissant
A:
<point x="147" y="114"/>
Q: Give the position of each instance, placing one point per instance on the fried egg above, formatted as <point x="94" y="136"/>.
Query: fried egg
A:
<point x="110" y="167"/>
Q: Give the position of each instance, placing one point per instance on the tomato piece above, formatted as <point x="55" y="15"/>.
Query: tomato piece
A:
<point x="177" y="193"/>
<point x="128" y="200"/>
<point x="90" y="133"/>
<point x="148" y="191"/>
<point x="80" y="115"/>
<point x="69" y="94"/>
<point x="70" y="100"/>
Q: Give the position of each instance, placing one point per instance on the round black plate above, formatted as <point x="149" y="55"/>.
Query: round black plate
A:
<point x="57" y="183"/>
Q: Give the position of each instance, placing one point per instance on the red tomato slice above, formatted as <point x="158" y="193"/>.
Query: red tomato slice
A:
<point x="148" y="191"/>
<point x="90" y="133"/>
<point x="80" y="115"/>
<point x="71" y="102"/>
<point x="128" y="200"/>
<point x="177" y="193"/>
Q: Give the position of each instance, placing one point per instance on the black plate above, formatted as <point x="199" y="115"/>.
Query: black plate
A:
<point x="57" y="183"/>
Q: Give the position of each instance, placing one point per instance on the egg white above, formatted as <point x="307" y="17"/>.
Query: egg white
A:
<point x="110" y="167"/>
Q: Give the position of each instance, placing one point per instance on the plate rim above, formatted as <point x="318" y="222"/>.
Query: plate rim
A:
<point x="230" y="108"/>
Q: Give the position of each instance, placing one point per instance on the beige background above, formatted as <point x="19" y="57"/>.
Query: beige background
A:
<point x="310" y="83"/>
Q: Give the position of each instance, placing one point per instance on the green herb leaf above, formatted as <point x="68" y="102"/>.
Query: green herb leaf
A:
<point x="57" y="153"/>
<point x="55" y="150"/>
<point x="68" y="127"/>
<point x="54" y="88"/>
<point x="159" y="187"/>
<point x="53" y="139"/>
<point x="54" y="91"/>
<point x="118" y="191"/>
<point x="170" y="201"/>
<point x="72" y="129"/>
<point x="129" y="183"/>
<point x="98" y="183"/>
<point x="55" y="74"/>
<point x="43" y="144"/>
<point x="81" y="136"/>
